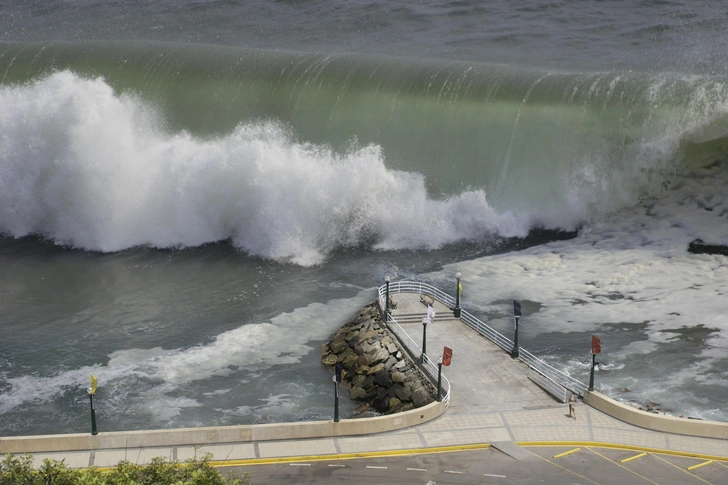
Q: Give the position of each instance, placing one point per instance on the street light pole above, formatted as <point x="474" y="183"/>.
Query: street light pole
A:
<point x="457" y="310"/>
<point x="337" y="379"/>
<point x="94" y="432"/>
<point x="439" y="380"/>
<point x="91" y="391"/>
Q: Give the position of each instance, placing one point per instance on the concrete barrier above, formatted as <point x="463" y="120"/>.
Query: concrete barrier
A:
<point x="222" y="434"/>
<point x="656" y="422"/>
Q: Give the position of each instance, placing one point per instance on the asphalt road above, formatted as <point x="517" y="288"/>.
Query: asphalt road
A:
<point x="547" y="465"/>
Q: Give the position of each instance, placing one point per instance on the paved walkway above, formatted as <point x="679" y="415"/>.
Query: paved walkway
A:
<point x="493" y="401"/>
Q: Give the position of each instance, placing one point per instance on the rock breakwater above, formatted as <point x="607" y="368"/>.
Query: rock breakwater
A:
<point x="376" y="368"/>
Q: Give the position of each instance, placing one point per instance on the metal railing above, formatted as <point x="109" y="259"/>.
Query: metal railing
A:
<point x="425" y="363"/>
<point x="416" y="354"/>
<point x="565" y="380"/>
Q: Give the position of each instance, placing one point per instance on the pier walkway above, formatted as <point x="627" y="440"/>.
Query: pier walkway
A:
<point x="492" y="402"/>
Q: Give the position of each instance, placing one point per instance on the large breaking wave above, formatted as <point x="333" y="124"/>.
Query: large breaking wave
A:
<point x="87" y="168"/>
<point x="292" y="156"/>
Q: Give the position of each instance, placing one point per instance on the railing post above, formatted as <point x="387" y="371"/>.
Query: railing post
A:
<point x="424" y="338"/>
<point x="439" y="381"/>
<point x="457" y="297"/>
<point x="591" y="374"/>
<point x="386" y="300"/>
<point x="517" y="315"/>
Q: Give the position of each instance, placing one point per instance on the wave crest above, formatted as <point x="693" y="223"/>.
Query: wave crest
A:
<point x="88" y="168"/>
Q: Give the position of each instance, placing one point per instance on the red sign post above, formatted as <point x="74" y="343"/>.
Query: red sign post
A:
<point x="596" y="349"/>
<point x="446" y="359"/>
<point x="596" y="345"/>
<point x="446" y="356"/>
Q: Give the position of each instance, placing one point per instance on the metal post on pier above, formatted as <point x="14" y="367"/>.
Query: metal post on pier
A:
<point x="517" y="316"/>
<point x="445" y="359"/>
<point x="386" y="301"/>
<point x="337" y="379"/>
<point x="596" y="349"/>
<point x="91" y="391"/>
<point x="457" y="311"/>
<point x="424" y="338"/>
<point x="439" y="380"/>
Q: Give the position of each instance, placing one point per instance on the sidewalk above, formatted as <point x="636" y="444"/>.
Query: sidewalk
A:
<point x="493" y="401"/>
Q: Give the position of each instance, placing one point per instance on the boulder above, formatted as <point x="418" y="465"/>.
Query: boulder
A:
<point x="403" y="393"/>
<point x="357" y="393"/>
<point x="364" y="360"/>
<point x="398" y="377"/>
<point x="366" y="370"/>
<point x="420" y="397"/>
<point x="390" y="363"/>
<point x="381" y="403"/>
<point x="338" y="346"/>
<point x="382" y="379"/>
<point x="368" y="382"/>
<point x="329" y="359"/>
<point x="348" y="359"/>
<point x="380" y="355"/>
<point x="364" y="337"/>
<point x="358" y="380"/>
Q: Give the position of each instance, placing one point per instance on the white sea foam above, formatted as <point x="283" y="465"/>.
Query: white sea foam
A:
<point x="631" y="269"/>
<point x="142" y="382"/>
<point x="87" y="168"/>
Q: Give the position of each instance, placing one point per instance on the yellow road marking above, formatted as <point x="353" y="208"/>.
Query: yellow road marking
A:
<point x="623" y="467"/>
<point x="340" y="456"/>
<point x="565" y="469"/>
<point x="350" y="456"/>
<point x="691" y="468"/>
<point x="682" y="469"/>
<point x="633" y="457"/>
<point x="599" y="444"/>
<point x="567" y="453"/>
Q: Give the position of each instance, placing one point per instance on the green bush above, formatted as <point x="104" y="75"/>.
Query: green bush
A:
<point x="20" y="471"/>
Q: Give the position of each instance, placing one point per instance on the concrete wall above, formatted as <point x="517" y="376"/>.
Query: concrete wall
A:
<point x="657" y="422"/>
<point x="223" y="434"/>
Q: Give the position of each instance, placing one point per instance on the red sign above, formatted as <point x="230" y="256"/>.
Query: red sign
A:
<point x="446" y="356"/>
<point x="596" y="345"/>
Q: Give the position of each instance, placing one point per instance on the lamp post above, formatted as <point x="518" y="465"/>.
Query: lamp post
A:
<point x="337" y="379"/>
<point x="439" y="380"/>
<point x="457" y="297"/>
<point x="91" y="391"/>
<point x="386" y="301"/>
<point x="424" y="339"/>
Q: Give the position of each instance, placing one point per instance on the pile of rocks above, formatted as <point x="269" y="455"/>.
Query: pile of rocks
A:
<point x="375" y="367"/>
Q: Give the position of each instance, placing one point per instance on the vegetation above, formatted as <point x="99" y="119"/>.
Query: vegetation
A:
<point x="16" y="470"/>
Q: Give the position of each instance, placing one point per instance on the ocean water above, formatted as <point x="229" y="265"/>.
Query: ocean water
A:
<point x="195" y="195"/>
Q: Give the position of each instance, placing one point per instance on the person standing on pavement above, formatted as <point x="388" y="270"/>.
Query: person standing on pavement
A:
<point x="572" y="409"/>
